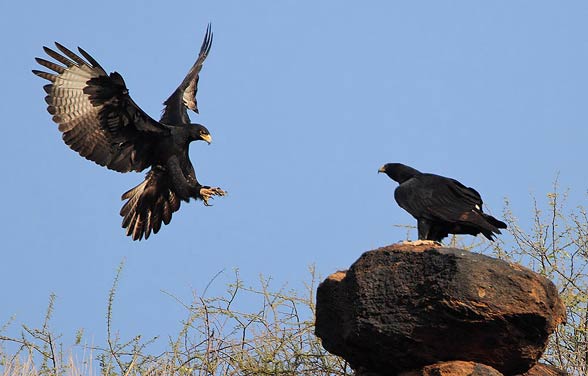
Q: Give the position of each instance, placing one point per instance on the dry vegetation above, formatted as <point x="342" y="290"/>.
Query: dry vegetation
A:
<point x="277" y="339"/>
<point x="557" y="247"/>
<point x="215" y="339"/>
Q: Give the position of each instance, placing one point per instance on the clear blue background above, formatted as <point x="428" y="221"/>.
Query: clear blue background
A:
<point x="305" y="101"/>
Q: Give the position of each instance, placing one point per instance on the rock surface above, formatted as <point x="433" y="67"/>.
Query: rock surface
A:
<point x="544" y="370"/>
<point x="401" y="308"/>
<point x="454" y="368"/>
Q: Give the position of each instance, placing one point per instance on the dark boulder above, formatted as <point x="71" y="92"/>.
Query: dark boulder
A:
<point x="454" y="368"/>
<point x="402" y="308"/>
<point x="544" y="370"/>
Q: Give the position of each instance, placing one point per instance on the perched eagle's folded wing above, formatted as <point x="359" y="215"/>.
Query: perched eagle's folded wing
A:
<point x="184" y="97"/>
<point x="445" y="200"/>
<point x="435" y="197"/>
<point x="466" y="194"/>
<point x="95" y="113"/>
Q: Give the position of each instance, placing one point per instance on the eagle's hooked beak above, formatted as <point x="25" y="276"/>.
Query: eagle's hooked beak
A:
<point x="207" y="138"/>
<point x="381" y="169"/>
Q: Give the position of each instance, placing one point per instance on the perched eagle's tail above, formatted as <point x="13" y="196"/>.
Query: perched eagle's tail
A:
<point x="148" y="204"/>
<point x="475" y="222"/>
<point x="491" y="226"/>
<point x="493" y="221"/>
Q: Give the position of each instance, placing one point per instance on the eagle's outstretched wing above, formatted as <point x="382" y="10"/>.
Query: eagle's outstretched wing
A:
<point x="95" y="113"/>
<point x="184" y="97"/>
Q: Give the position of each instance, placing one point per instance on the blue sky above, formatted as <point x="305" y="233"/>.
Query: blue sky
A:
<point x="305" y="101"/>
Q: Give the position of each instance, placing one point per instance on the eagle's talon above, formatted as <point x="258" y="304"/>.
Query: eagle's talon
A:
<point x="218" y="192"/>
<point x="208" y="193"/>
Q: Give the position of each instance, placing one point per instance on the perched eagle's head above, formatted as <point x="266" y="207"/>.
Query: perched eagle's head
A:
<point x="398" y="172"/>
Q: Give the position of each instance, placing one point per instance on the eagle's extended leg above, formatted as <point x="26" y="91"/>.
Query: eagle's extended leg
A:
<point x="207" y="193"/>
<point x="424" y="229"/>
<point x="187" y="186"/>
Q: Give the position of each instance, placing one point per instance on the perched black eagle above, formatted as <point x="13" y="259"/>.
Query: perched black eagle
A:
<point x="99" y="120"/>
<point x="441" y="205"/>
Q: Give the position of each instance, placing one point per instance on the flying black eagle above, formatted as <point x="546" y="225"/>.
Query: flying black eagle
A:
<point x="99" y="120"/>
<point x="441" y="205"/>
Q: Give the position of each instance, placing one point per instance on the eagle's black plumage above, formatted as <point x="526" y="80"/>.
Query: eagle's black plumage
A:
<point x="99" y="120"/>
<point x="441" y="205"/>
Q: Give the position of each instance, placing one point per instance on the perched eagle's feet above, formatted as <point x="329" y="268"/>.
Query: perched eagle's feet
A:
<point x="207" y="193"/>
<point x="423" y="242"/>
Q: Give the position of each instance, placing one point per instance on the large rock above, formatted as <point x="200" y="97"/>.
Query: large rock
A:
<point x="401" y="308"/>
<point x="454" y="368"/>
<point x="544" y="370"/>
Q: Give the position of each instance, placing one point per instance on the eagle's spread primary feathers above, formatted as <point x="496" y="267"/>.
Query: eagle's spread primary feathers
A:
<point x="99" y="120"/>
